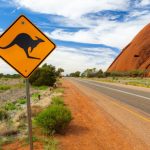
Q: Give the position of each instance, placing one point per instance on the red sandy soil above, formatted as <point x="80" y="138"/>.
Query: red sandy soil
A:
<point x="91" y="128"/>
<point x="18" y="146"/>
<point x="140" y="46"/>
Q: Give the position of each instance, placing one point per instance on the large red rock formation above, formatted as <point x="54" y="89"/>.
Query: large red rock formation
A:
<point x="136" y="55"/>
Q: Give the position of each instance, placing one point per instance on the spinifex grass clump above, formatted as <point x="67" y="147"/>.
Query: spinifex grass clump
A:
<point x="57" y="101"/>
<point x="21" y="101"/>
<point x="53" y="119"/>
<point x="4" y="87"/>
<point x="10" y="106"/>
<point x="58" y="90"/>
<point x="40" y="87"/>
<point x="35" y="96"/>
<point x="3" y="114"/>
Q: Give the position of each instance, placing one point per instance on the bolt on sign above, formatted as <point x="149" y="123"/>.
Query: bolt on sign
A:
<point x="24" y="47"/>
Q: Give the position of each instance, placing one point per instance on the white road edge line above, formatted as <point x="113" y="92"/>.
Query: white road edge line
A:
<point x="116" y="90"/>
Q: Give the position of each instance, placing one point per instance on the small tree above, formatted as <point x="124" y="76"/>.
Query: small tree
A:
<point x="46" y="75"/>
<point x="75" y="74"/>
<point x="100" y="74"/>
<point x="107" y="74"/>
<point x="59" y="72"/>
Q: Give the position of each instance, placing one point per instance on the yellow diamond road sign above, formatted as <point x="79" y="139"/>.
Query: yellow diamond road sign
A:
<point x="24" y="47"/>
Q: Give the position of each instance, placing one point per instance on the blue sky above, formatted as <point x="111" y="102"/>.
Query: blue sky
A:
<point x="88" y="33"/>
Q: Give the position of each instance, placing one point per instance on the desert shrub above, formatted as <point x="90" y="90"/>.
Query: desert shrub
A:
<point x="40" y="87"/>
<point x="3" y="114"/>
<point x="34" y="139"/>
<point x="54" y="119"/>
<point x="44" y="76"/>
<point x="58" y="90"/>
<point x="10" y="106"/>
<point x="35" y="96"/>
<point x="50" y="144"/>
<point x="75" y="74"/>
<point x="4" y="87"/>
<point x="131" y="73"/>
<point x="57" y="101"/>
<point x="136" y="73"/>
<point x="21" y="101"/>
<point x="10" y="75"/>
<point x="6" y="140"/>
<point x="107" y="74"/>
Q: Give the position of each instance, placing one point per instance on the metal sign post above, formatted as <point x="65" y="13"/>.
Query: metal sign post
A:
<point x="31" y="48"/>
<point x="29" y="113"/>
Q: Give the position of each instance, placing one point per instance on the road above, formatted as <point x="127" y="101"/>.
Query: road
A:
<point x="129" y="106"/>
<point x="133" y="97"/>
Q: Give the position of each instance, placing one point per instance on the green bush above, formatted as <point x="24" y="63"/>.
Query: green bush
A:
<point x="34" y="139"/>
<point x="136" y="73"/>
<point x="44" y="76"/>
<point x="40" y="87"/>
<point x="4" y="87"/>
<point x="21" y="101"/>
<point x="58" y="90"/>
<point x="57" y="101"/>
<point x="131" y="73"/>
<point x="54" y="119"/>
<point x="35" y="96"/>
<point x="10" y="106"/>
<point x="3" y="114"/>
<point x="50" y="144"/>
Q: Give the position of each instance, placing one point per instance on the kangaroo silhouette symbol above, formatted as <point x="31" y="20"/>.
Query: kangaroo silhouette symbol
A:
<point x="25" y="42"/>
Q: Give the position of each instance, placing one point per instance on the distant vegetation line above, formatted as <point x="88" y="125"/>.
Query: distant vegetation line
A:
<point x="93" y="73"/>
<point x="9" y="75"/>
<point x="46" y="75"/>
<point x="40" y="75"/>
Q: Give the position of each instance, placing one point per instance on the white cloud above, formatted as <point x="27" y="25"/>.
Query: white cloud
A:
<point x="1" y="31"/>
<point x="115" y="34"/>
<point x="72" y="9"/>
<point x="145" y="2"/>
<point x="137" y="13"/>
<point x="99" y="31"/>
<point x="5" y="68"/>
<point x="72" y="59"/>
<point x="82" y="36"/>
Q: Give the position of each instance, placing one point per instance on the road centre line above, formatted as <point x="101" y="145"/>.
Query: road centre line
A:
<point x="133" y="113"/>
<point x="116" y="90"/>
<point x="123" y="107"/>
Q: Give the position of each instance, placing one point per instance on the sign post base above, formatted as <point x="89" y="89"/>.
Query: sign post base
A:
<point x="29" y="113"/>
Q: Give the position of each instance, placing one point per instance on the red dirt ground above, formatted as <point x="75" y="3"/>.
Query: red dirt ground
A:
<point x="18" y="146"/>
<point x="91" y="128"/>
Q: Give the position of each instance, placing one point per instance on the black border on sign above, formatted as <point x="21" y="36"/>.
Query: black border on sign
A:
<point x="40" y="32"/>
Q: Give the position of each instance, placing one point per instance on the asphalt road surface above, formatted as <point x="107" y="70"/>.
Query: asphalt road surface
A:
<point x="128" y="106"/>
<point x="136" y="98"/>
